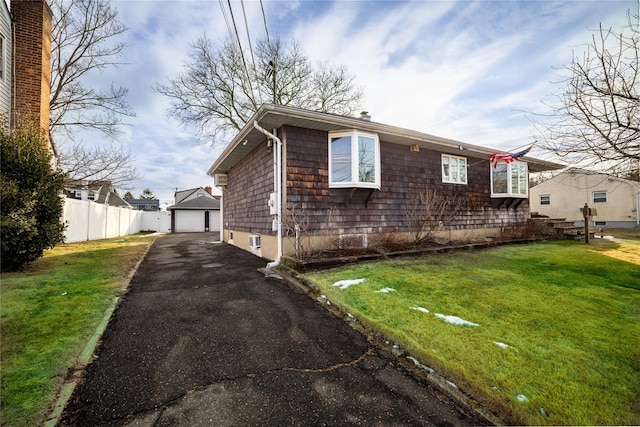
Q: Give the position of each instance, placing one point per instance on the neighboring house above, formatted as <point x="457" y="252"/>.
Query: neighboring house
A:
<point x="98" y="191"/>
<point x="6" y="30"/>
<point x="147" y="205"/>
<point x="354" y="180"/>
<point x="192" y="193"/>
<point x="616" y="200"/>
<point x="195" y="210"/>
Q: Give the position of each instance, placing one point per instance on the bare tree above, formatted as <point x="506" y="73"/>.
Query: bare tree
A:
<point x="597" y="118"/>
<point x="84" y="41"/>
<point x="220" y="89"/>
<point x="429" y="212"/>
<point x="296" y="225"/>
<point x="110" y="163"/>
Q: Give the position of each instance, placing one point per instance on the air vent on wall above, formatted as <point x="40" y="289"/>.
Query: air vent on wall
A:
<point x="220" y="179"/>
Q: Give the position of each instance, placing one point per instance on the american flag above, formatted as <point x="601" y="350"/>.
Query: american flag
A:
<point x="507" y="157"/>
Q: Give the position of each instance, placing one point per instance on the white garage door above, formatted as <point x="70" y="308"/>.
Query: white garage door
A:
<point x="189" y="221"/>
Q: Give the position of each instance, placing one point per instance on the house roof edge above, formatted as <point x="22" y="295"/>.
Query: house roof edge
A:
<point x="390" y="132"/>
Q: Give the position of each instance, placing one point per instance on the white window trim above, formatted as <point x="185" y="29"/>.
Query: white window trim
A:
<point x="540" y="200"/>
<point x="354" y="134"/>
<point x="466" y="169"/>
<point x="509" y="193"/>
<point x="606" y="196"/>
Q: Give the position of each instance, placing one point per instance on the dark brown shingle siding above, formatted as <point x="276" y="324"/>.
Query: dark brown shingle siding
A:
<point x="403" y="173"/>
<point x="249" y="184"/>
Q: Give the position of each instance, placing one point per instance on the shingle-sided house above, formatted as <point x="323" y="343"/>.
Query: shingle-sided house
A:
<point x="294" y="177"/>
<point x="616" y="200"/>
<point x="98" y="191"/>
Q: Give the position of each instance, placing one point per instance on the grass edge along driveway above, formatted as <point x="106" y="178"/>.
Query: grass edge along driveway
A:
<point x="49" y="312"/>
<point x="556" y="334"/>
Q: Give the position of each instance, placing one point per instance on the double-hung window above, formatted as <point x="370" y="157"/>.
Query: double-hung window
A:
<point x="354" y="160"/>
<point x="510" y="180"/>
<point x="454" y="169"/>
<point x="599" y="197"/>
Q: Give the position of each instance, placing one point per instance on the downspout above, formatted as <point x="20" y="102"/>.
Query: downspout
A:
<point x="638" y="209"/>
<point x="222" y="215"/>
<point x="277" y="184"/>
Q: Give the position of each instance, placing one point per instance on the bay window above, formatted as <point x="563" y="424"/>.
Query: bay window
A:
<point x="354" y="160"/>
<point x="510" y="180"/>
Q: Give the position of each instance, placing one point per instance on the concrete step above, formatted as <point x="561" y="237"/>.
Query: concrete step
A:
<point x="564" y="225"/>
<point x="549" y="219"/>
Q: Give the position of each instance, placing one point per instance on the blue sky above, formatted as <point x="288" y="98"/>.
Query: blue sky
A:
<point x="465" y="70"/>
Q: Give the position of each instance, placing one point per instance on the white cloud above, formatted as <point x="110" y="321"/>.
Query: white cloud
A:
<point x="460" y="70"/>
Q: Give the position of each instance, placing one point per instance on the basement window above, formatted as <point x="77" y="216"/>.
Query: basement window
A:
<point x="510" y="180"/>
<point x="354" y="160"/>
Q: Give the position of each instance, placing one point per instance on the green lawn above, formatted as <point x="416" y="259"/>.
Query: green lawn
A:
<point x="49" y="312"/>
<point x="558" y="335"/>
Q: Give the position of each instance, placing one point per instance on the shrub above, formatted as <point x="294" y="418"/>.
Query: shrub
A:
<point x="30" y="201"/>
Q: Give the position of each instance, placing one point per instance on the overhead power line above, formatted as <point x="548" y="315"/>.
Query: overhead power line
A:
<point x="246" y="26"/>
<point x="264" y="18"/>
<point x="244" y="63"/>
<point x="226" y="19"/>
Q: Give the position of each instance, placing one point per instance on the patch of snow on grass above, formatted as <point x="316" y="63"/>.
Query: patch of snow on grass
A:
<point x="501" y="344"/>
<point x="455" y="320"/>
<point x="344" y="284"/>
<point x="385" y="290"/>
<point x="522" y="398"/>
<point x="422" y="309"/>
<point x="422" y="366"/>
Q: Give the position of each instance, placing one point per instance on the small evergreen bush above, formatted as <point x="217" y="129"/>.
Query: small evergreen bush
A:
<point x="30" y="196"/>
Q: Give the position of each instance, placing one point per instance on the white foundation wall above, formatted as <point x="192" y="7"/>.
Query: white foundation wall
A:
<point x="87" y="220"/>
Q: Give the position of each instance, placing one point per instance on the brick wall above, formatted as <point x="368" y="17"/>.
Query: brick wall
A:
<point x="32" y="60"/>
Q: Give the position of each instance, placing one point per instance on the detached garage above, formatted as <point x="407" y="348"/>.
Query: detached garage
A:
<point x="200" y="214"/>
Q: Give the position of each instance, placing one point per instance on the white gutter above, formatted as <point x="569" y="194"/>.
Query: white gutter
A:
<point x="277" y="184"/>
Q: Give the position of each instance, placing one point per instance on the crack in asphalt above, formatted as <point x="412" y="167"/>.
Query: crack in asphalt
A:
<point x="370" y="352"/>
<point x="161" y="407"/>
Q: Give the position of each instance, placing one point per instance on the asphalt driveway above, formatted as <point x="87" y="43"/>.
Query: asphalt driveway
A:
<point x="203" y="338"/>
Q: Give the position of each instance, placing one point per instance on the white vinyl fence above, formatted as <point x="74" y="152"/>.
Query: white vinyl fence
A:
<point x="88" y="220"/>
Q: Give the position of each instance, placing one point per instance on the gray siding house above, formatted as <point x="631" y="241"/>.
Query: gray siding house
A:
<point x="5" y="61"/>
